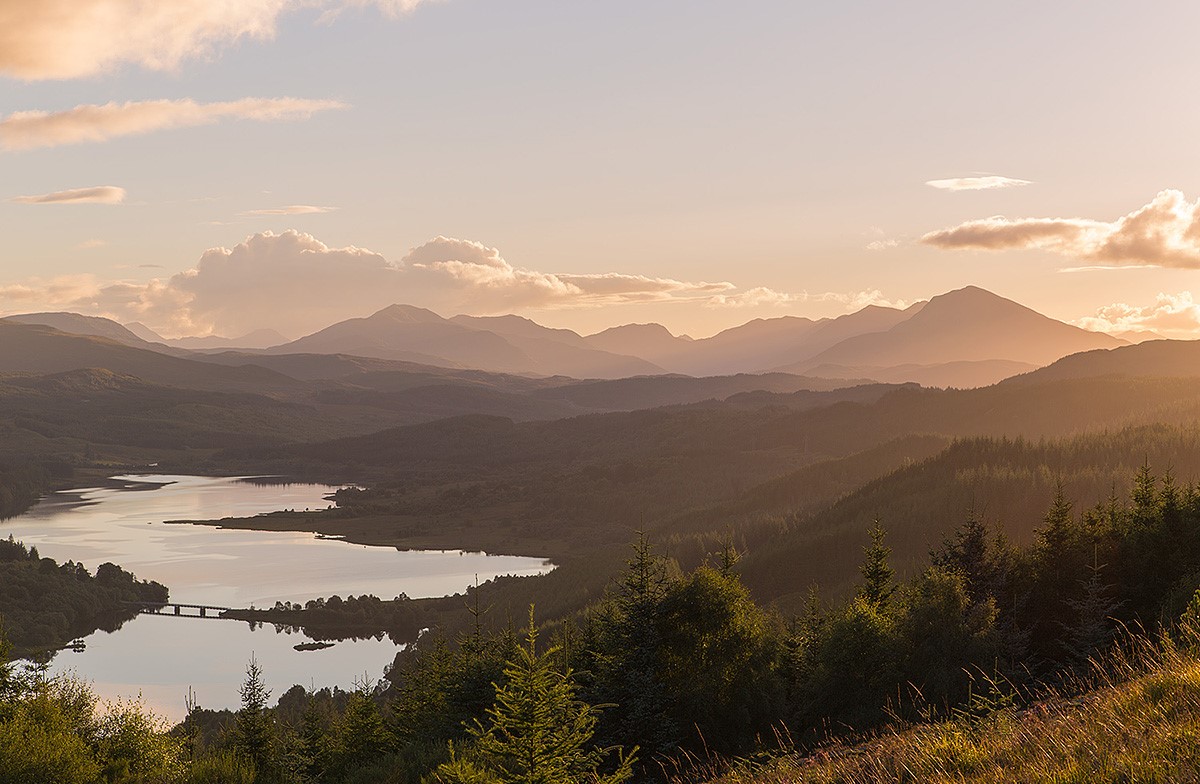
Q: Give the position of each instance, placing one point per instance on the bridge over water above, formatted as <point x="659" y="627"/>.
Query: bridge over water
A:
<point x="181" y="609"/>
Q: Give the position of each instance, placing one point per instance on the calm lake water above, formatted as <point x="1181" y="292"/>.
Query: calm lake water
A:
<point x="160" y="657"/>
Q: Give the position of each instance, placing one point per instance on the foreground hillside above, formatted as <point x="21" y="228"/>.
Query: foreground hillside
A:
<point x="1140" y="722"/>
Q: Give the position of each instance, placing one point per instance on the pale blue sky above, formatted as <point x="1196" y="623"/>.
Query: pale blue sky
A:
<point x="765" y="144"/>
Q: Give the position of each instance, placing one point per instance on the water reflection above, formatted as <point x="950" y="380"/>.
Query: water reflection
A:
<point x="161" y="656"/>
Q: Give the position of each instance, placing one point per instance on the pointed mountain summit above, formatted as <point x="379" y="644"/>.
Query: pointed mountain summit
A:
<point x="968" y="324"/>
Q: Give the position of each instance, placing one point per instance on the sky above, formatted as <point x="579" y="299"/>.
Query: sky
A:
<point x="220" y="166"/>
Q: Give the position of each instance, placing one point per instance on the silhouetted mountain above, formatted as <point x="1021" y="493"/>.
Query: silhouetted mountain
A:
<point x="970" y="325"/>
<point x="508" y="345"/>
<point x="76" y="324"/>
<point x="35" y="348"/>
<point x="1152" y="359"/>
<point x="559" y="351"/>
<point x="754" y="347"/>
<point x="413" y="335"/>
<point x="652" y="342"/>
<point x="259" y="338"/>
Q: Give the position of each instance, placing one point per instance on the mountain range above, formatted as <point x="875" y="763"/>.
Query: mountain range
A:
<point x="964" y="338"/>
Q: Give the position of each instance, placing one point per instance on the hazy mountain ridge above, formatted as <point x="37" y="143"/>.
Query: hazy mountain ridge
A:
<point x="95" y="326"/>
<point x="968" y="324"/>
<point x="964" y="338"/>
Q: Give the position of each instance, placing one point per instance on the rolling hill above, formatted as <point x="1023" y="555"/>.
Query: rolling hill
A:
<point x="1154" y="358"/>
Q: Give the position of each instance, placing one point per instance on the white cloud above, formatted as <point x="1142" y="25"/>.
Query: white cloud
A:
<point x="1171" y="315"/>
<point x="62" y="39"/>
<point x="292" y="209"/>
<point x="1163" y="233"/>
<point x="497" y="285"/>
<point x="984" y="183"/>
<point x="295" y="283"/>
<point x="97" y="123"/>
<point x="101" y="194"/>
<point x="90" y="244"/>
<point x="757" y="297"/>
<point x="883" y="244"/>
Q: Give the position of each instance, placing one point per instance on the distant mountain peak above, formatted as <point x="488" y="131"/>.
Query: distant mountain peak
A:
<point x="406" y="313"/>
<point x="652" y="328"/>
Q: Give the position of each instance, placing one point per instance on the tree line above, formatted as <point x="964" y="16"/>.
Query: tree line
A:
<point x="673" y="663"/>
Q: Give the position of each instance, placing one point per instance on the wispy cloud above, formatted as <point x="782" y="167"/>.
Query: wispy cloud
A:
<point x="762" y="296"/>
<point x="62" y="39"/>
<point x="90" y="244"/>
<point x="1170" y="315"/>
<point x="983" y="183"/>
<point x="757" y="297"/>
<point x="1162" y="233"/>
<point x="292" y="209"/>
<point x="101" y="194"/>
<point x="97" y="123"/>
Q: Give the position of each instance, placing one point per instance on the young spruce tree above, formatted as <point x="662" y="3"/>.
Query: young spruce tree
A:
<point x="538" y="731"/>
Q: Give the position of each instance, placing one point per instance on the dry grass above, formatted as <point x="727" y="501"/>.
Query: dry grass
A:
<point x="1137" y="719"/>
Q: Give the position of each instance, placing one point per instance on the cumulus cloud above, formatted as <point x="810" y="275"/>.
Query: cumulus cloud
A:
<point x="101" y="194"/>
<point x="473" y="267"/>
<point x="1170" y="315"/>
<point x="60" y="39"/>
<point x="96" y="123"/>
<point x="984" y="183"/>
<point x="232" y="290"/>
<point x="292" y="209"/>
<point x="1163" y="233"/>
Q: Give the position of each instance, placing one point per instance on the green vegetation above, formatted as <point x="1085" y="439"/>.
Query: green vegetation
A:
<point x="675" y="665"/>
<point x="974" y="551"/>
<point x="21" y="486"/>
<point x="53" y="731"/>
<point x="1134" y="717"/>
<point x="44" y="605"/>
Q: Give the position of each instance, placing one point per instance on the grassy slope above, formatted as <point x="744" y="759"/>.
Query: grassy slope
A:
<point x="1138" y="721"/>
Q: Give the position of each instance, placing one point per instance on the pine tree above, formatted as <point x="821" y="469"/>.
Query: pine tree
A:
<point x="1092" y="628"/>
<point x="878" y="577"/>
<point x="1144" y="496"/>
<point x="538" y="731"/>
<point x="362" y="733"/>
<point x="629" y="657"/>
<point x="314" y="741"/>
<point x="1058" y="529"/>
<point x="966" y="554"/>
<point x="254" y="728"/>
